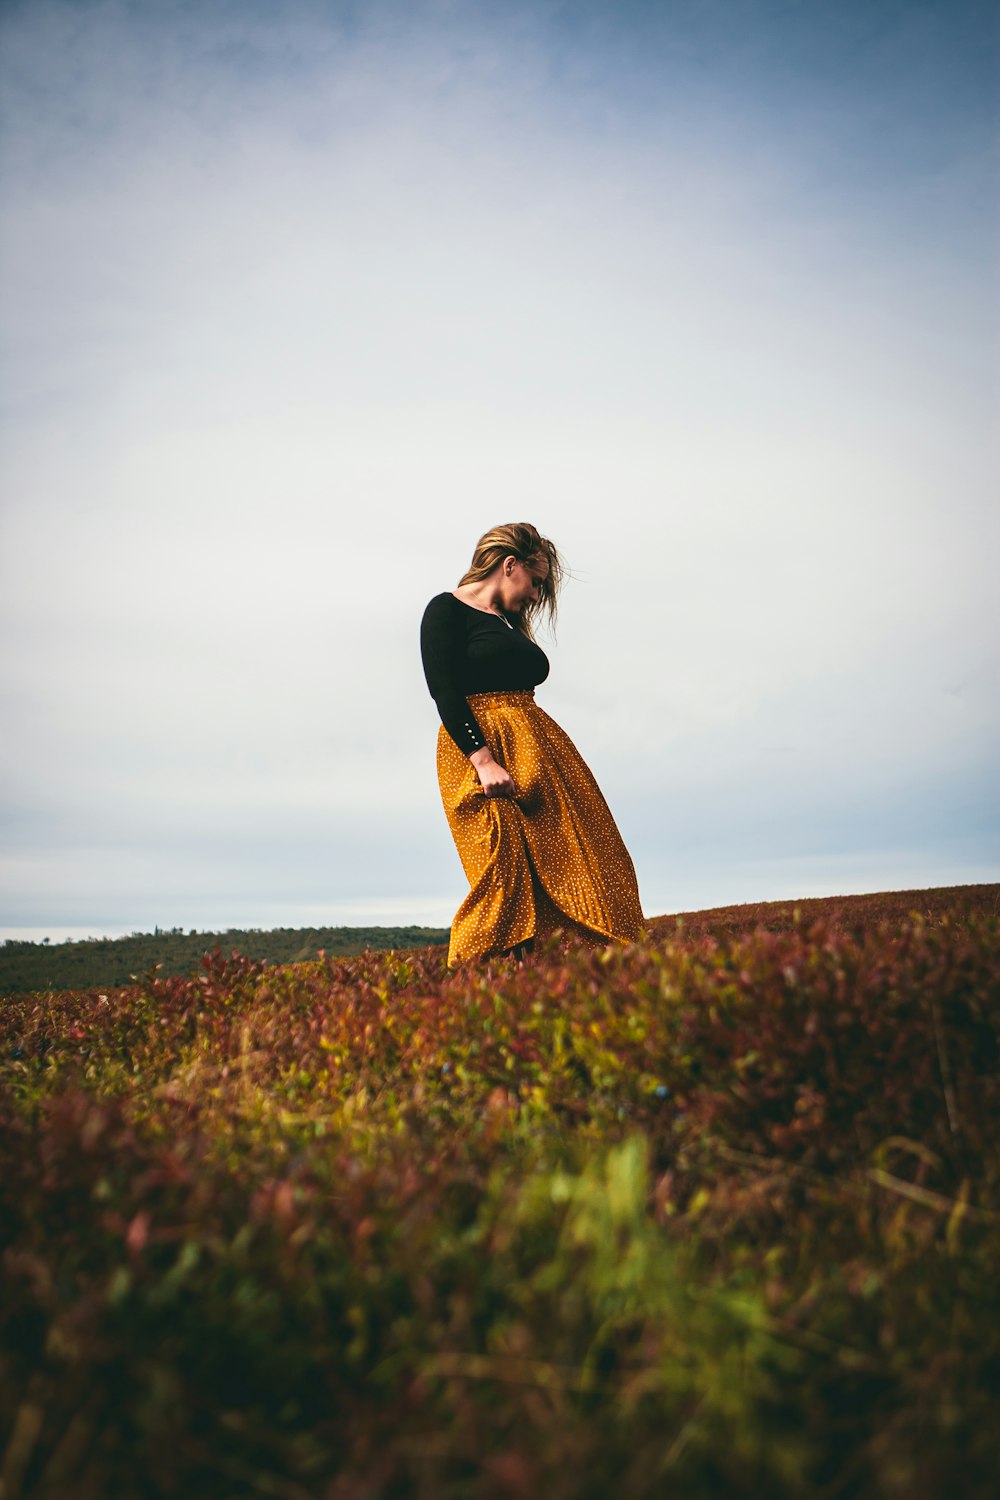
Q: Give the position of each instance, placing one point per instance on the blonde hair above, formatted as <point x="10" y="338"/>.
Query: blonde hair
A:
<point x="521" y="540"/>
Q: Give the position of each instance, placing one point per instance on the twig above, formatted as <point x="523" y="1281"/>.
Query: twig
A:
<point x="680" y="1440"/>
<point x="927" y="1199"/>
<point x="954" y="1124"/>
<point x="791" y="1333"/>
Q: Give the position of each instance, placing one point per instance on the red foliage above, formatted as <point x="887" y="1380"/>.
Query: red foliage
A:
<point x="720" y="1206"/>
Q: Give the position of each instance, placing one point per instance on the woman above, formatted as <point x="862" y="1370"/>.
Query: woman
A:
<point x="533" y="832"/>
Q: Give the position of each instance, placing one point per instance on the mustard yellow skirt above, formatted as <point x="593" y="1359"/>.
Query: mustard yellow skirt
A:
<point x="550" y="858"/>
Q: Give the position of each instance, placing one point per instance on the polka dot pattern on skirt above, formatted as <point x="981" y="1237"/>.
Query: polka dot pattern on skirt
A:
<point x="550" y="857"/>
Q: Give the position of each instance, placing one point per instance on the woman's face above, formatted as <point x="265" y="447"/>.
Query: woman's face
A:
<point x="521" y="582"/>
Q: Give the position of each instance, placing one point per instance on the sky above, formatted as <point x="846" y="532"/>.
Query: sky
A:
<point x="297" y="301"/>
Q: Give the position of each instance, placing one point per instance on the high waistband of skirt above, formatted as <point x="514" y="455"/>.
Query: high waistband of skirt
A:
<point x="501" y="700"/>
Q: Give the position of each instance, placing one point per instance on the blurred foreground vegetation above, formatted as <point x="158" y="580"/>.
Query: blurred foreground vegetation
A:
<point x="714" y="1214"/>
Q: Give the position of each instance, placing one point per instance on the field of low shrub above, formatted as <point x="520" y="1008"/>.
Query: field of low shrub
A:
<point x="717" y="1214"/>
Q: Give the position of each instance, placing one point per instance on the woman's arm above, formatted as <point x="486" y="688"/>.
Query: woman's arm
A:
<point x="441" y="646"/>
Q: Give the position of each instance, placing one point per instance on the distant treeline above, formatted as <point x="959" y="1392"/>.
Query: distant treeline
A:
<point x="27" y="966"/>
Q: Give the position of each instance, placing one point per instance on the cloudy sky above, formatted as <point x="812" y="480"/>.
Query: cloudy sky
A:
<point x="299" y="300"/>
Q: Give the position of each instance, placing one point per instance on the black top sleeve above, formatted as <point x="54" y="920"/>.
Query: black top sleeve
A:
<point x="442" y="648"/>
<point x="467" y="650"/>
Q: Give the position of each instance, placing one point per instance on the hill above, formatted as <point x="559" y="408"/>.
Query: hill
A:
<point x="842" y="913"/>
<point x="27" y="967"/>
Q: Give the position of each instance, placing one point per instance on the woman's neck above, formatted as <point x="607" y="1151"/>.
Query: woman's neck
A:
<point x="485" y="596"/>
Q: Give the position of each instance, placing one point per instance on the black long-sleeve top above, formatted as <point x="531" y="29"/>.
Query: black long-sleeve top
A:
<point x="465" y="650"/>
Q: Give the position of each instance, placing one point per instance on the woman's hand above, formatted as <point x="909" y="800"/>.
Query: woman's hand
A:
<point x="493" y="778"/>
